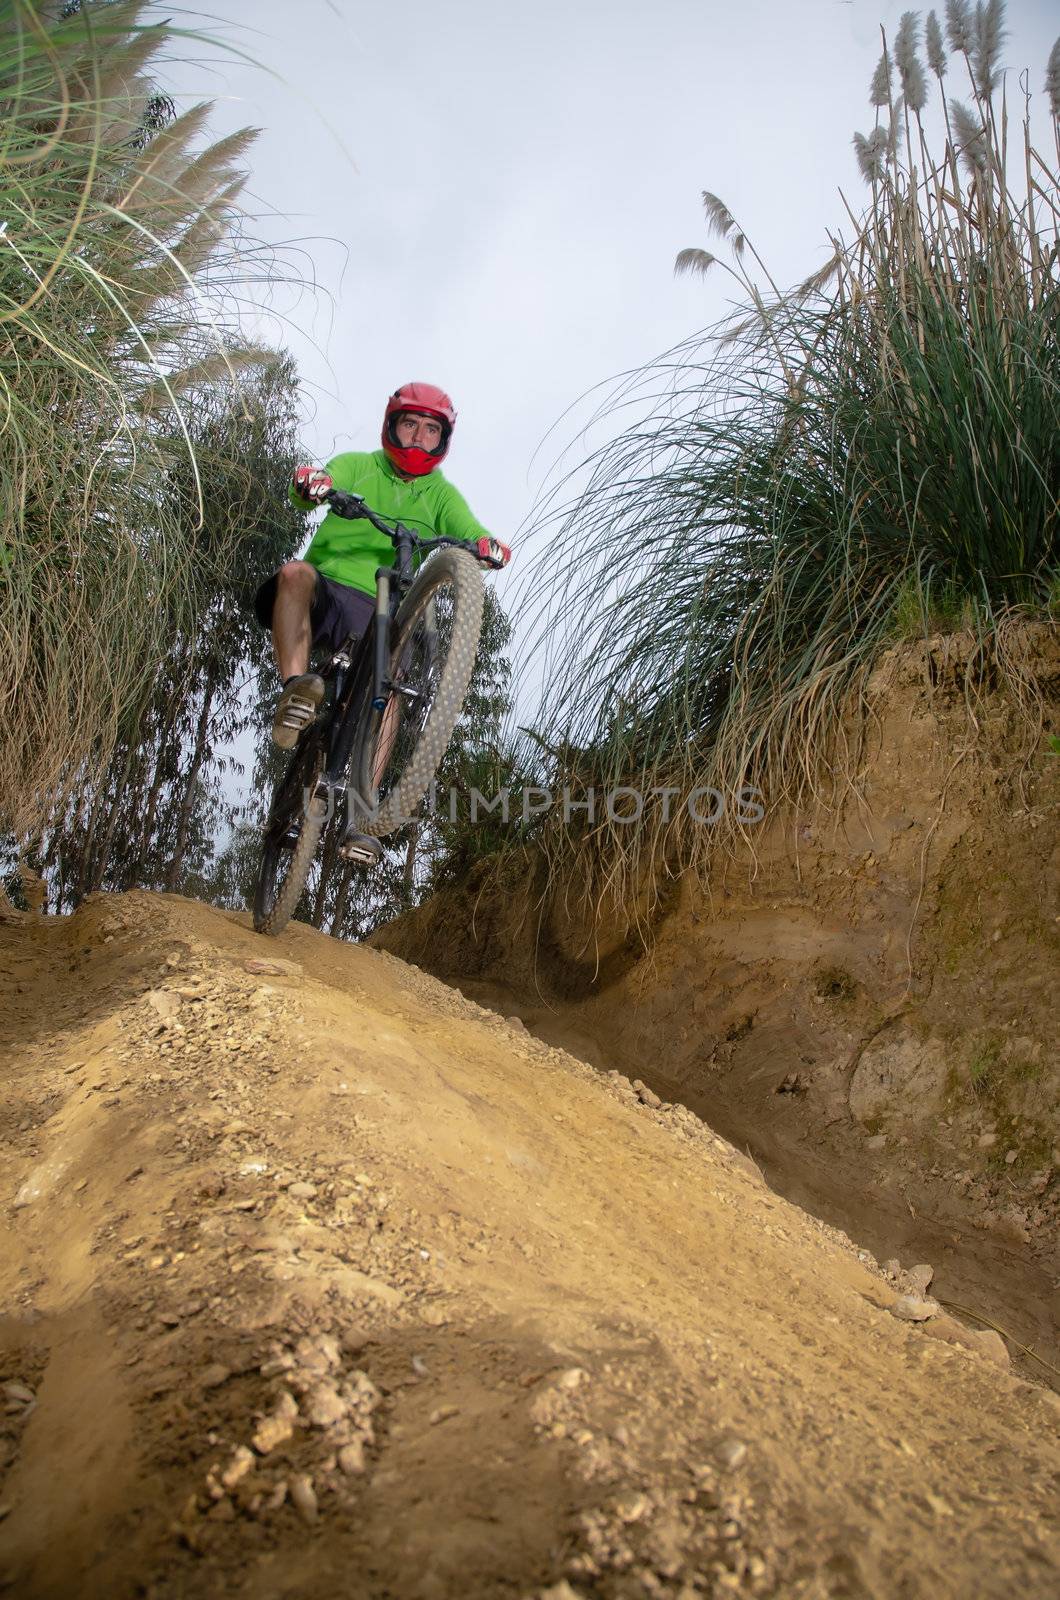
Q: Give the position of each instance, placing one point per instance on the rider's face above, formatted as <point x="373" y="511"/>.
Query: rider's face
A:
<point x="413" y="429"/>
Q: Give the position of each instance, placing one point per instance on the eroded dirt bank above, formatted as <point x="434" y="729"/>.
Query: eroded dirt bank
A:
<point x="865" y="1004"/>
<point x="324" y="1281"/>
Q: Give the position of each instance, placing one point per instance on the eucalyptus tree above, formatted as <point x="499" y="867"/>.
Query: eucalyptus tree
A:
<point x="153" y="815"/>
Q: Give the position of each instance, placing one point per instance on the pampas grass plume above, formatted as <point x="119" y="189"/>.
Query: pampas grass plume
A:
<point x="871" y="153"/>
<point x="880" y="88"/>
<point x="933" y="41"/>
<point x="914" y="84"/>
<point x="818" y="279"/>
<point x="960" y="26"/>
<point x="989" y="36"/>
<point x="1052" y="79"/>
<point x="698" y="261"/>
<point x="970" y="137"/>
<point x="719" y="218"/>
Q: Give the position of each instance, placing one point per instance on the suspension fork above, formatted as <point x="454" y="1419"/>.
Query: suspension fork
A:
<point x="352" y="693"/>
<point x="377" y="688"/>
<point x="382" y="638"/>
<point x="366" y="683"/>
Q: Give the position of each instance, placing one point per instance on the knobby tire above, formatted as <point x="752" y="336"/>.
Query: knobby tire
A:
<point x="273" y="908"/>
<point x="459" y="572"/>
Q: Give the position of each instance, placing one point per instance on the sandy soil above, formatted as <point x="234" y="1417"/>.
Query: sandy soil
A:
<point x="320" y="1280"/>
<point x="864" y="1002"/>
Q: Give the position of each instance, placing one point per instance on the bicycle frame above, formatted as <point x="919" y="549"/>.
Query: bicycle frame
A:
<point x="361" y="667"/>
<point x="378" y="686"/>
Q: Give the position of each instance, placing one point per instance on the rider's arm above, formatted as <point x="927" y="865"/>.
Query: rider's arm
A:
<point x="296" y="500"/>
<point x="339" y="469"/>
<point x="453" y="516"/>
<point x="454" y="520"/>
<point x="348" y="552"/>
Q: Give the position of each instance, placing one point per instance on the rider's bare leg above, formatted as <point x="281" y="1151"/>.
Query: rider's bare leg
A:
<point x="291" y="635"/>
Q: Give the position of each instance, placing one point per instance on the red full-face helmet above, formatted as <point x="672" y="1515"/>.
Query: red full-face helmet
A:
<point x="429" y="401"/>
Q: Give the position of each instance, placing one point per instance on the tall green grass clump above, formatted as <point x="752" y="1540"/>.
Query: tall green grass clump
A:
<point x="834" y="467"/>
<point x="117" y="252"/>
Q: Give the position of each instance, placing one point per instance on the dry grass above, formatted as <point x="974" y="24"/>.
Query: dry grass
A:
<point x="117" y="256"/>
<point x="881" y="442"/>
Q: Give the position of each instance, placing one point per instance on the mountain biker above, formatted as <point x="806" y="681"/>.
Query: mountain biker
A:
<point x="329" y="594"/>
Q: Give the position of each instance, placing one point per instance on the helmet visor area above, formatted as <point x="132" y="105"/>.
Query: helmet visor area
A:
<point x="415" y="411"/>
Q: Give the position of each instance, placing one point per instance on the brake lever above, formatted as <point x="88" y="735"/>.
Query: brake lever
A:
<point x="345" y="504"/>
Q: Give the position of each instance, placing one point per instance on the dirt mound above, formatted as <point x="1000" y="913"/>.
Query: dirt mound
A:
<point x="320" y="1279"/>
<point x="865" y="1003"/>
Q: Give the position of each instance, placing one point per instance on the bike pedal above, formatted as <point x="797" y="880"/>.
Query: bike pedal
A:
<point x="365" y="853"/>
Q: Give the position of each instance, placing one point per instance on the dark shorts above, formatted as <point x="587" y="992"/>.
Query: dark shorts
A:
<point x="337" y="610"/>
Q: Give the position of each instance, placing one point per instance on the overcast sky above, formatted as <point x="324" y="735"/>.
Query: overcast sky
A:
<point x="491" y="196"/>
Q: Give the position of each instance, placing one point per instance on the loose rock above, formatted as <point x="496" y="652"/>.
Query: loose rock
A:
<point x="911" y="1308"/>
<point x="319" y="1355"/>
<point x="303" y="1498"/>
<point x="730" y="1453"/>
<point x="989" y="1344"/>
<point x="241" y="1463"/>
<point x="351" y="1458"/>
<point x="632" y="1508"/>
<point x="278" y="1427"/>
<point x="919" y="1277"/>
<point x="164" y="1001"/>
<point x="325" y="1406"/>
<point x="273" y="967"/>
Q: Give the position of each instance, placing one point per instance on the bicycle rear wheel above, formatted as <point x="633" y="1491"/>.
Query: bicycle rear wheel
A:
<point x="292" y="832"/>
<point x="434" y="642"/>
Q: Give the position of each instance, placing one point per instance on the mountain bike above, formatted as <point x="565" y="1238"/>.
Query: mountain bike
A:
<point x="392" y="702"/>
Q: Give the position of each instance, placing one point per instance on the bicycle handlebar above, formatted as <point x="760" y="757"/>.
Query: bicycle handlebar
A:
<point x="353" y="506"/>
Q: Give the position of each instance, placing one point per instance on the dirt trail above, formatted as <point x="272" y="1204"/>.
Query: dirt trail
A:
<point x="864" y="1001"/>
<point x="325" y="1281"/>
<point x="995" y="1276"/>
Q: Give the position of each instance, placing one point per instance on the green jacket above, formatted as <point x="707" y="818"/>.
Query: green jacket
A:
<point x="350" y="552"/>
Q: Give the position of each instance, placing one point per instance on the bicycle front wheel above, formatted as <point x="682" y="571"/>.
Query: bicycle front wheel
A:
<point x="434" y="641"/>
<point x="291" y="835"/>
